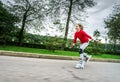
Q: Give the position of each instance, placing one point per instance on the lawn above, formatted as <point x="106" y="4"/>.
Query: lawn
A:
<point x="57" y="52"/>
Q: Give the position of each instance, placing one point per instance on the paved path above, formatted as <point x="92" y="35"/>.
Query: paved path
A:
<point x="19" y="69"/>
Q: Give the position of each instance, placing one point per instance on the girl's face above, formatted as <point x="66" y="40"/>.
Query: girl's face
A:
<point x="77" y="28"/>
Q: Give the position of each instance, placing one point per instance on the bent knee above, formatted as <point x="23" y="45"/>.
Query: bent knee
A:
<point x="80" y="51"/>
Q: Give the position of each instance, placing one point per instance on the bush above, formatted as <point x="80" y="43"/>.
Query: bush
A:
<point x="54" y="43"/>
<point x="112" y="52"/>
<point x="10" y="43"/>
<point x="71" y="49"/>
<point x="94" y="48"/>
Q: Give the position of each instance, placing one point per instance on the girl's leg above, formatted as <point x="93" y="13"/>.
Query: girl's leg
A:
<point x="83" y="46"/>
<point x="81" y="58"/>
<point x="82" y="55"/>
<point x="81" y="62"/>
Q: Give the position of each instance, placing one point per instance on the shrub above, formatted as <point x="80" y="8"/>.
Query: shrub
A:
<point x="53" y="43"/>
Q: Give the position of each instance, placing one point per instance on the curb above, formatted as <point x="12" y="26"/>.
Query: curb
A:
<point x="47" y="56"/>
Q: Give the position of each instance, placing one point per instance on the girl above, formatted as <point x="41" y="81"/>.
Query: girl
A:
<point x="84" y="40"/>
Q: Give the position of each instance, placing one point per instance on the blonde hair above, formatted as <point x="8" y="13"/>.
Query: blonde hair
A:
<point x="81" y="26"/>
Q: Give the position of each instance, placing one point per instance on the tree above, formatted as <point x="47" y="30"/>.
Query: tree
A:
<point x="96" y="45"/>
<point x="96" y="34"/>
<point x="7" y="23"/>
<point x="70" y="10"/>
<point x="112" y="23"/>
<point x="29" y="12"/>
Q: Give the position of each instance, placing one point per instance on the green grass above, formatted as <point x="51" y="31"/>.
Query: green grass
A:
<point x="57" y="52"/>
<point x="40" y="51"/>
<point x="107" y="56"/>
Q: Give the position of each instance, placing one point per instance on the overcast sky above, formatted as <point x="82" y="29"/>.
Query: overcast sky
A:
<point x="98" y="13"/>
<point x="96" y="17"/>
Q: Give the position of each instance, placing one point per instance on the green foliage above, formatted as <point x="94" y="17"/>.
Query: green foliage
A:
<point x="53" y="43"/>
<point x="96" y="34"/>
<point x="113" y="25"/>
<point x="30" y="13"/>
<point x="94" y="48"/>
<point x="108" y="48"/>
<point x="7" y="24"/>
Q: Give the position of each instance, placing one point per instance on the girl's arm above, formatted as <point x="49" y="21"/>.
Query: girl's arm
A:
<point x="75" y="39"/>
<point x="87" y="35"/>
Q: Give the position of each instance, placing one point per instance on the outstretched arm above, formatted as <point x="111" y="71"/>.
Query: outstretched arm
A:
<point x="87" y="35"/>
<point x="74" y="41"/>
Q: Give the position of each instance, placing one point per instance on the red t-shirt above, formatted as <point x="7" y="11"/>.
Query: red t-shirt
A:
<point x="82" y="36"/>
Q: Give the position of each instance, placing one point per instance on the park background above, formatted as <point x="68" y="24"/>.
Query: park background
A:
<point x="47" y="26"/>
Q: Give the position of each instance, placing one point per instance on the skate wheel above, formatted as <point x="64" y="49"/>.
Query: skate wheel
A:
<point x="78" y="66"/>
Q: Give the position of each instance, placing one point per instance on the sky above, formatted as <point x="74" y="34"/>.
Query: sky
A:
<point x="96" y="16"/>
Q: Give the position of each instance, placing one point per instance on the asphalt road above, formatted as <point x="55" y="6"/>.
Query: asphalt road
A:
<point x="19" y="69"/>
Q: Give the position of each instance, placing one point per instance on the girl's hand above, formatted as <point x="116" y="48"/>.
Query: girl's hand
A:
<point x="92" y="40"/>
<point x="73" y="44"/>
<point x="95" y="41"/>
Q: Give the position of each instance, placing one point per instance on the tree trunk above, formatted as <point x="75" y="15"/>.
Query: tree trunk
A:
<point x="114" y="46"/>
<point x="67" y="24"/>
<point x="23" y="26"/>
<point x="22" y="30"/>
